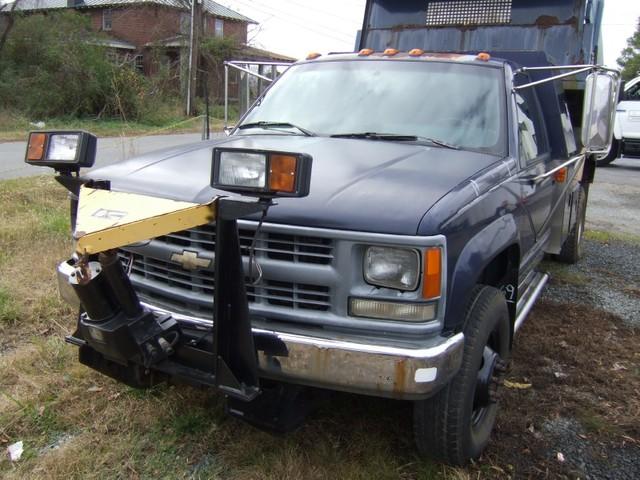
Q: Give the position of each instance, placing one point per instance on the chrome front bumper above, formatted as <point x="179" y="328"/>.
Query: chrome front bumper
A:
<point x="342" y="363"/>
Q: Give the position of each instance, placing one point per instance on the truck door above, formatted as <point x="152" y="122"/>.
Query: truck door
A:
<point x="535" y="160"/>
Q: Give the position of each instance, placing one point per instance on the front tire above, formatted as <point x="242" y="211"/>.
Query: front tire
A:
<point x="455" y="425"/>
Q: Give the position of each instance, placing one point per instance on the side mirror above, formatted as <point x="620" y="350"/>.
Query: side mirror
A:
<point x="600" y="100"/>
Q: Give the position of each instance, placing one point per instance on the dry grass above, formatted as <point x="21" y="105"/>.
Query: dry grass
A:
<point x="76" y="423"/>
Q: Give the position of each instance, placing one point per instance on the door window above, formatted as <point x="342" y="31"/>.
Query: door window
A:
<point x="531" y="133"/>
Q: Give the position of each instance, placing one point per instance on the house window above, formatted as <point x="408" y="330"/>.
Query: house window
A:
<point x="185" y="23"/>
<point x="138" y="63"/>
<point x="219" y="27"/>
<point x="106" y="19"/>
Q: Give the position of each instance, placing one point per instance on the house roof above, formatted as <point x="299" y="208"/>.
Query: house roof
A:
<point x="252" y="53"/>
<point x="112" y="42"/>
<point x="209" y="6"/>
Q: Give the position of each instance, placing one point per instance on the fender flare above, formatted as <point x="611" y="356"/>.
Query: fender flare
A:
<point x="483" y="248"/>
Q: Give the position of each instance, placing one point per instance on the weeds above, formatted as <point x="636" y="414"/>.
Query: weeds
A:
<point x="9" y="313"/>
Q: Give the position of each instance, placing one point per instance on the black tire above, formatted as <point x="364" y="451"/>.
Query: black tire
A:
<point x="571" y="251"/>
<point x="455" y="425"/>
<point x="611" y="156"/>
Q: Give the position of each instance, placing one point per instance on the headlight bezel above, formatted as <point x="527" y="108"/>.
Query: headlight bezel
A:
<point x="410" y="252"/>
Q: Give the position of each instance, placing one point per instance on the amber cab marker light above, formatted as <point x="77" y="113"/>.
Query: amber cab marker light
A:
<point x="282" y="174"/>
<point x="35" y="150"/>
<point x="484" y="56"/>
<point x="416" y="52"/>
<point x="561" y="175"/>
<point x="365" y="52"/>
<point x="390" y="52"/>
<point x="432" y="282"/>
<point x="313" y="55"/>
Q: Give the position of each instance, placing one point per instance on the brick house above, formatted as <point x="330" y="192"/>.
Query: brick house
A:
<point x="148" y="33"/>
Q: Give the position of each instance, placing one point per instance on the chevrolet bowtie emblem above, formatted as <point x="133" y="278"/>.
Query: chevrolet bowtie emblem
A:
<point x="190" y="260"/>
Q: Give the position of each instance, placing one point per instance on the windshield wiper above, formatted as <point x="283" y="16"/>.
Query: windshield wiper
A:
<point x="393" y="137"/>
<point x="275" y="125"/>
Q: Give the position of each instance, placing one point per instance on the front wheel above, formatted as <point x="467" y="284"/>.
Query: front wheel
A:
<point x="455" y="425"/>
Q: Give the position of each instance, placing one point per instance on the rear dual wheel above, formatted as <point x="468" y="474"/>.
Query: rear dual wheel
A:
<point x="571" y="251"/>
<point x="455" y="425"/>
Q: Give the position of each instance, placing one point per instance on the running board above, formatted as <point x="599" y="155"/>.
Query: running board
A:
<point x="536" y="289"/>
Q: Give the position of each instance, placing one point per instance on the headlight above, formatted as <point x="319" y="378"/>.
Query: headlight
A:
<point x="261" y="173"/>
<point x="62" y="150"/>
<point x="392" y="267"/>
<point x="63" y="147"/>
<point x="242" y="169"/>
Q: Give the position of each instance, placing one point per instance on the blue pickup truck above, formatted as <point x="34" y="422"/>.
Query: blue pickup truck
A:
<point x="447" y="157"/>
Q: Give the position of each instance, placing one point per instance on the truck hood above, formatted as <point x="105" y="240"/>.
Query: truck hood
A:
<point x="363" y="185"/>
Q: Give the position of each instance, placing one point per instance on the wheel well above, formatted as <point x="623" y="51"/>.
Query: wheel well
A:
<point x="502" y="273"/>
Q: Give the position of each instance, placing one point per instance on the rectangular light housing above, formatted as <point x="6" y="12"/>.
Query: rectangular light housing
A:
<point x="261" y="173"/>
<point x="385" y="310"/>
<point x="62" y="150"/>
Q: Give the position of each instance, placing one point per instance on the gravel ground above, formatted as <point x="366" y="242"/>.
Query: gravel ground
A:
<point x="590" y="459"/>
<point x="614" y="198"/>
<point x="607" y="277"/>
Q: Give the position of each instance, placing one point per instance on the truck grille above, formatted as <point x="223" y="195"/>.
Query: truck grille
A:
<point x="190" y="291"/>
<point x="469" y="12"/>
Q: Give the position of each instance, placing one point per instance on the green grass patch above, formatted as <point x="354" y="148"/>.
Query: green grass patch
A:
<point x="9" y="312"/>
<point x="608" y="237"/>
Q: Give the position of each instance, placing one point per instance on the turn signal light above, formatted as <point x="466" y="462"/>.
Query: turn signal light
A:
<point x="35" y="150"/>
<point x="484" y="57"/>
<point x="432" y="281"/>
<point x="561" y="175"/>
<point x="282" y="173"/>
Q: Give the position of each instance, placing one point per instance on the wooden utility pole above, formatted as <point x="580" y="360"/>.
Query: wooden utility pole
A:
<point x="194" y="42"/>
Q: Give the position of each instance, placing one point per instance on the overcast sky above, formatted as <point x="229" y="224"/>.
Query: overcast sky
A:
<point x="297" y="27"/>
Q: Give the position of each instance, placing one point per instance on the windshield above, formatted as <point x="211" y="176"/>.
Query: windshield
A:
<point x="455" y="104"/>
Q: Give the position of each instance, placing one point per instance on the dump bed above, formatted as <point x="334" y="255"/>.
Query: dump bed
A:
<point x="568" y="31"/>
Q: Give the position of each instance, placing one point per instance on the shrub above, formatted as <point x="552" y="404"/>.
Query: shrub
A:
<point x="54" y="65"/>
